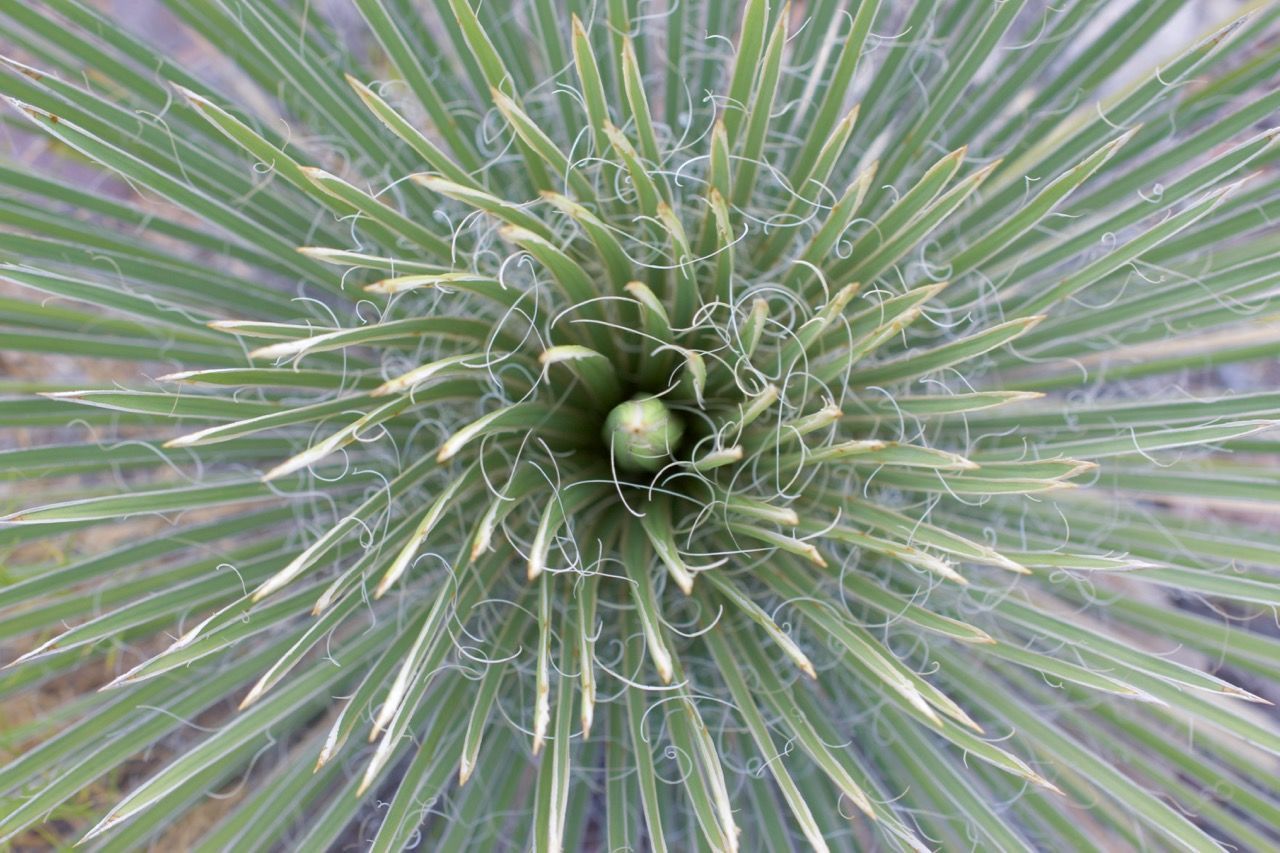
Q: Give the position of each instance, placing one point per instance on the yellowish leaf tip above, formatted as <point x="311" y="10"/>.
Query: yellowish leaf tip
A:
<point x="250" y="697"/>
<point x="815" y="556"/>
<point x="1241" y="693"/>
<point x="196" y="100"/>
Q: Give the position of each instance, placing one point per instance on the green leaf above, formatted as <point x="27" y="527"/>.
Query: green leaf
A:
<point x="142" y="503"/>
<point x="920" y="363"/>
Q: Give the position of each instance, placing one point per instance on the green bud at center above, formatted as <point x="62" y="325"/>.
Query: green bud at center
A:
<point x="643" y="433"/>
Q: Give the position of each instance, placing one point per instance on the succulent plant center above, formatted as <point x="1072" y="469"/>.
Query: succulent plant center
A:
<point x="642" y="433"/>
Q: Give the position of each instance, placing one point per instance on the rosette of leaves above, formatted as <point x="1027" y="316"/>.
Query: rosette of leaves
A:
<point x="694" y="426"/>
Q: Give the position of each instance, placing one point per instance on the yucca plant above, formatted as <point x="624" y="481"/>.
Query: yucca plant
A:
<point x="650" y="426"/>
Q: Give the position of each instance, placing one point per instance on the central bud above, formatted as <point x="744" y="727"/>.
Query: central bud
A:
<point x="642" y="433"/>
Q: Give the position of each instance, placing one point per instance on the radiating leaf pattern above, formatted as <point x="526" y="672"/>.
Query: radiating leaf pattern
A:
<point x="673" y="426"/>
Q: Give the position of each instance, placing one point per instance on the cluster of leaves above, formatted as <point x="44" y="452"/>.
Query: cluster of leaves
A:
<point x="641" y="423"/>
